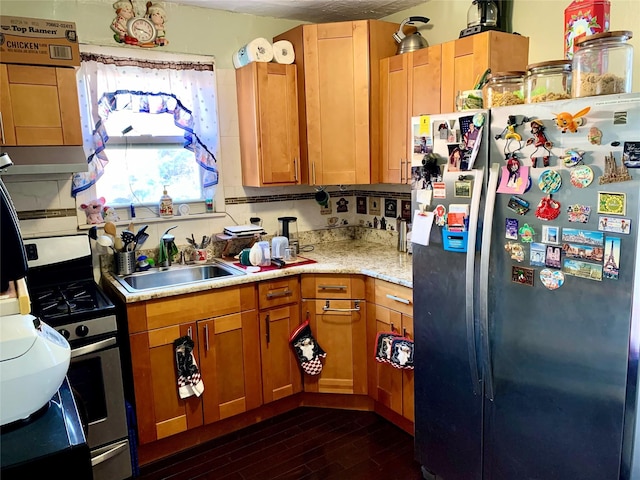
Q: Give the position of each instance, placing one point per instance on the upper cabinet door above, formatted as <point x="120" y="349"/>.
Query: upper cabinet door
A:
<point x="337" y="98"/>
<point x="466" y="59"/>
<point x="268" y="118"/>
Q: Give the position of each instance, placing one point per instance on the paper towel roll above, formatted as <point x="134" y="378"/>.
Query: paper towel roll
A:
<point x="257" y="50"/>
<point x="283" y="52"/>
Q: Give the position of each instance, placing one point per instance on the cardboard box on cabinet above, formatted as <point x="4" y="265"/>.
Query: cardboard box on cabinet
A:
<point x="36" y="41"/>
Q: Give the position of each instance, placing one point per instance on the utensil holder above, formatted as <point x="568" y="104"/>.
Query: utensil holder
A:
<point x="125" y="262"/>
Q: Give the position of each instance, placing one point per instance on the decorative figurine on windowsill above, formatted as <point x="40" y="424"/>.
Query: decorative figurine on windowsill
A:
<point x="93" y="210"/>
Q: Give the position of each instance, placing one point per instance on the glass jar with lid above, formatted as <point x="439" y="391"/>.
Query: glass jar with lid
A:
<point x="548" y="81"/>
<point x="505" y="88"/>
<point x="602" y="64"/>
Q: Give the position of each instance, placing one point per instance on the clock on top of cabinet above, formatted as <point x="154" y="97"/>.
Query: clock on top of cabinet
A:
<point x="338" y="98"/>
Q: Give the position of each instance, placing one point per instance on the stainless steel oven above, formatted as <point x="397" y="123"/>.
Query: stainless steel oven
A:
<point x="65" y="296"/>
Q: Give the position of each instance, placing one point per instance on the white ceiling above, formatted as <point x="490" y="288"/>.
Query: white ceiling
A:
<point x="314" y="11"/>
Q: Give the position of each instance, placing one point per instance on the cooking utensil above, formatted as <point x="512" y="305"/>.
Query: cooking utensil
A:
<point x="110" y="228"/>
<point x="118" y="244"/>
<point x="140" y="239"/>
<point x="128" y="237"/>
<point x="106" y="241"/>
<point x="410" y="43"/>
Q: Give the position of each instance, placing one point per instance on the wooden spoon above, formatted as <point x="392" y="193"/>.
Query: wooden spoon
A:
<point x="110" y="228"/>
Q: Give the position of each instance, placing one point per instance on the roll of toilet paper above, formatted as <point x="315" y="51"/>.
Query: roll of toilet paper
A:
<point x="257" y="50"/>
<point x="283" y="52"/>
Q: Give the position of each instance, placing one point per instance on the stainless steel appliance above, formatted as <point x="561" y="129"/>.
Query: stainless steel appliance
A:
<point x="514" y="380"/>
<point x="66" y="297"/>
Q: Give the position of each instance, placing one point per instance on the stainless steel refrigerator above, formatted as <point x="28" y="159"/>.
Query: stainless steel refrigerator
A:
<point x="526" y="342"/>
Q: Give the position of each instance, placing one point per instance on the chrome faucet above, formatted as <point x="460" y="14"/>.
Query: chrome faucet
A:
<point x="166" y="246"/>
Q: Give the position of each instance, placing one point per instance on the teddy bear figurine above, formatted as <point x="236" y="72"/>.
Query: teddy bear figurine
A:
<point x="93" y="210"/>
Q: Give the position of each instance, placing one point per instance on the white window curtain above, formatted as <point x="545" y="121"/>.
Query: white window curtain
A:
<point x="108" y="83"/>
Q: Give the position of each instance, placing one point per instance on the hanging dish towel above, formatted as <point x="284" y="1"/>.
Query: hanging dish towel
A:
<point x="189" y="379"/>
<point x="384" y="341"/>
<point x="307" y="349"/>
<point x="402" y="353"/>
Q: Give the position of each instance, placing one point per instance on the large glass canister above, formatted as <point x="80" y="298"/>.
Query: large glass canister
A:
<point x="602" y="64"/>
<point x="505" y="88"/>
<point x="548" y="81"/>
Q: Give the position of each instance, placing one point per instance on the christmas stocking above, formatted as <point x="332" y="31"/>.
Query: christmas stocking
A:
<point x="189" y="379"/>
<point x="307" y="349"/>
<point x="383" y="346"/>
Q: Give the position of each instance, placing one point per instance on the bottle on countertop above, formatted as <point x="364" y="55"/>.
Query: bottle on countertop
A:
<point x="166" y="204"/>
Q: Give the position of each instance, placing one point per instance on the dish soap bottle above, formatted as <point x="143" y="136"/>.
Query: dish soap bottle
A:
<point x="166" y="204"/>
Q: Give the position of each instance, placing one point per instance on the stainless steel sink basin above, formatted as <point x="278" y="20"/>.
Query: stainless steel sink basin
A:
<point x="176" y="275"/>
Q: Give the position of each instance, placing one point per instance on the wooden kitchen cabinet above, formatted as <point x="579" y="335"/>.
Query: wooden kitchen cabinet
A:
<point x="39" y="106"/>
<point x="338" y="91"/>
<point x="392" y="312"/>
<point x="279" y="301"/>
<point x="336" y="309"/>
<point x="465" y="59"/>
<point x="409" y="86"/>
<point x="228" y="358"/>
<point x="269" y="128"/>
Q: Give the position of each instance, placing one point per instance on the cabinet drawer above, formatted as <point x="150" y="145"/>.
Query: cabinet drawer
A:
<point x="190" y="308"/>
<point x="332" y="286"/>
<point x="282" y="291"/>
<point x="395" y="297"/>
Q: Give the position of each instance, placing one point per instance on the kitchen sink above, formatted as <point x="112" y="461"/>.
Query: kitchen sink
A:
<point x="176" y="275"/>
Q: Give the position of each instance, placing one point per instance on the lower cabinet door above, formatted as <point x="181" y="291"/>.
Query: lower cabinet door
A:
<point x="281" y="374"/>
<point x="160" y="410"/>
<point x="339" y="327"/>
<point x="230" y="365"/>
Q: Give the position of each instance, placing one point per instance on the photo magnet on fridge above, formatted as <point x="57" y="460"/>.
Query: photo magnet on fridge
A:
<point x="511" y="228"/>
<point x="614" y="225"/>
<point x="522" y="275"/>
<point x="611" y="268"/>
<point x="631" y="154"/>
<point x="577" y="268"/>
<point x="537" y="254"/>
<point x="612" y="203"/>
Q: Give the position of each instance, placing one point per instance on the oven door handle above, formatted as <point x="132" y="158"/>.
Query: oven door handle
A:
<point x="94" y="347"/>
<point x="112" y="452"/>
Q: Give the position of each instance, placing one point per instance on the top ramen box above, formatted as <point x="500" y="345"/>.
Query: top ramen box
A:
<point x="37" y="41"/>
<point x="583" y="18"/>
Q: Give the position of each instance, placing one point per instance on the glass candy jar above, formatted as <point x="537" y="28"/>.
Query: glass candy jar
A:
<point x="602" y="64"/>
<point x="505" y="88"/>
<point x="548" y="81"/>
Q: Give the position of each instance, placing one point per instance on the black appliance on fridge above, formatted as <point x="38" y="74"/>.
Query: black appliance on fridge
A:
<point x="526" y="368"/>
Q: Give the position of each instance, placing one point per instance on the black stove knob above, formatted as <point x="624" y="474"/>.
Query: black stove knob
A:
<point x="82" y="330"/>
<point x="65" y="333"/>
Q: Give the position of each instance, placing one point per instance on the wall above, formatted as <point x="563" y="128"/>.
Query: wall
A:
<point x="540" y="20"/>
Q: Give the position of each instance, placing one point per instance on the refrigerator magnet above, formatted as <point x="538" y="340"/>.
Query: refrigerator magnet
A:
<point x="582" y="176"/>
<point x="612" y="255"/>
<point x="550" y="234"/>
<point x="631" y="154"/>
<point x="578" y="268"/>
<point x="547" y="209"/>
<point x="439" y="189"/>
<point x="549" y="181"/>
<point x="552" y="257"/>
<point x="612" y="172"/>
<point x="516" y="251"/>
<point x="610" y="203"/>
<point x="537" y="254"/>
<point x="578" y="213"/>
<point x="518" y="205"/>
<point x="551" y="279"/>
<point x="511" y="228"/>
<point x="522" y="275"/>
<point x="526" y="233"/>
<point x="614" y="225"/>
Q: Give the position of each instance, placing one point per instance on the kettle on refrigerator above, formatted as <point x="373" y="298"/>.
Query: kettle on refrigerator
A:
<point x="410" y="43"/>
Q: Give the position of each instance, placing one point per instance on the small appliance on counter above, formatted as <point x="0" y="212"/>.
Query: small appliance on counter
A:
<point x="482" y="16"/>
<point x="289" y="229"/>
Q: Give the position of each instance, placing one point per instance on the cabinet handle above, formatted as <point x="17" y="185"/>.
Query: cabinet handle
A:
<point x="398" y="299"/>
<point x="313" y="170"/>
<point x="332" y="287"/>
<point x="206" y="336"/>
<point x="404" y="332"/>
<point x="1" y="128"/>
<point x="189" y="333"/>
<point x="295" y="170"/>
<point x="284" y="293"/>
<point x="267" y="328"/>
<point x="393" y="329"/>
<point x="407" y="172"/>
<point x="327" y="307"/>
<point x="401" y="170"/>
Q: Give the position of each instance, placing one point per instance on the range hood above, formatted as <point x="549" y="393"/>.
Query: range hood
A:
<point x="47" y="160"/>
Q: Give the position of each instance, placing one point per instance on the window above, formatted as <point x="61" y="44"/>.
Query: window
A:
<point x="147" y="124"/>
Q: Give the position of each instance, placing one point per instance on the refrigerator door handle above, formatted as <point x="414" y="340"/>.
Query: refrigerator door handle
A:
<point x="470" y="279"/>
<point x="485" y="256"/>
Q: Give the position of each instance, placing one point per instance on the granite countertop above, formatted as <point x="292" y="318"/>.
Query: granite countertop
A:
<point x="340" y="257"/>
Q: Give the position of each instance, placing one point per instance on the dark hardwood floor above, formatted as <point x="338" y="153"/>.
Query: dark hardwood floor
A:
<point x="304" y="444"/>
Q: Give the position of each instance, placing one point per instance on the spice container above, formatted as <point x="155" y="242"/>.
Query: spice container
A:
<point x="602" y="64"/>
<point x="505" y="88"/>
<point x="548" y="81"/>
